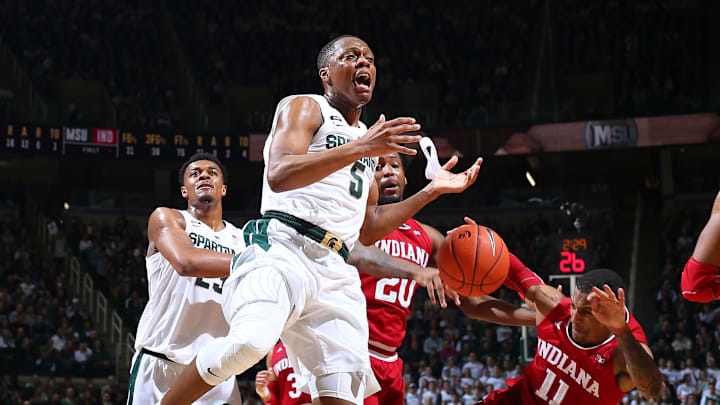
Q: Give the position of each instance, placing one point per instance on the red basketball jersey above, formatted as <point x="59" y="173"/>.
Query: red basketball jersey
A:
<point x="285" y="390"/>
<point x="389" y="299"/>
<point x="564" y="372"/>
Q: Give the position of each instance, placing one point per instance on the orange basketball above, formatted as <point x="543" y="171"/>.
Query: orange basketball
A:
<point x="473" y="260"/>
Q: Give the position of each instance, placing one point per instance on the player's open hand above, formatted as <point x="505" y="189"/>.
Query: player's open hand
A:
<point x="430" y="279"/>
<point x="608" y="309"/>
<point x="446" y="181"/>
<point x="386" y="137"/>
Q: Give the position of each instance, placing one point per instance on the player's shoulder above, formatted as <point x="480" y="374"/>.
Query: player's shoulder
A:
<point x="304" y="102"/>
<point x="302" y="109"/>
<point x="166" y="216"/>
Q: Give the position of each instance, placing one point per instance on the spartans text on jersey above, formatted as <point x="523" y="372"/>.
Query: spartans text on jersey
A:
<point x="205" y="243"/>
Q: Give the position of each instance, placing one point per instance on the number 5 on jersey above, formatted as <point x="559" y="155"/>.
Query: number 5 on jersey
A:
<point x="356" y="186"/>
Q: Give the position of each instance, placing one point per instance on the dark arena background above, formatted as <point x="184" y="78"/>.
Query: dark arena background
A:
<point x="598" y="123"/>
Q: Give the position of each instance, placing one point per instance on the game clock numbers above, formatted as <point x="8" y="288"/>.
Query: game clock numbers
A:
<point x="573" y="254"/>
<point x="113" y="143"/>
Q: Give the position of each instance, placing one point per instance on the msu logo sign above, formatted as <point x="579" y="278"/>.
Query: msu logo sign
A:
<point x="610" y="134"/>
<point x="332" y="242"/>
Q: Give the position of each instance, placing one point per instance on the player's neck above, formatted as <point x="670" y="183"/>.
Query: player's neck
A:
<point x="350" y="112"/>
<point x="209" y="212"/>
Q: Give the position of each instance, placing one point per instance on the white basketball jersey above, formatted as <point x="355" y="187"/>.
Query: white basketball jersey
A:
<point x="337" y="202"/>
<point x="185" y="313"/>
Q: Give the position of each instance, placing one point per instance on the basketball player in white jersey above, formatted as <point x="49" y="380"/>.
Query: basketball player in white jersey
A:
<point x="188" y="257"/>
<point x="319" y="198"/>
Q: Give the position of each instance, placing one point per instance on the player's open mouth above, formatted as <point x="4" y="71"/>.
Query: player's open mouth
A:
<point x="363" y="81"/>
<point x="205" y="186"/>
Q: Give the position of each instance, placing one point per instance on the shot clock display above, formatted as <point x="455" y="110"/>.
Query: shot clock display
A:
<point x="573" y="254"/>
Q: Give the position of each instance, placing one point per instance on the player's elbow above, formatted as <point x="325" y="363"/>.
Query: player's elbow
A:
<point x="278" y="179"/>
<point x="185" y="266"/>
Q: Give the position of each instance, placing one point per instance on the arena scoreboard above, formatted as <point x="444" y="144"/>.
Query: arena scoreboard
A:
<point x="112" y="143"/>
<point x="573" y="253"/>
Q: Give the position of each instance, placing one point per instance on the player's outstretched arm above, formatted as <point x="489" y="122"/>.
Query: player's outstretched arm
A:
<point x="291" y="167"/>
<point x="490" y="309"/>
<point x="166" y="234"/>
<point x="700" y="282"/>
<point x="373" y="261"/>
<point x="380" y="220"/>
<point x="633" y="362"/>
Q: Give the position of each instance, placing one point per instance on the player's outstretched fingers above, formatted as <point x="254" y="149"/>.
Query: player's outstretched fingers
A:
<point x="379" y="122"/>
<point x="474" y="170"/>
<point x="621" y="295"/>
<point x="596" y="294"/>
<point x="400" y="121"/>
<point x="470" y="221"/>
<point x="431" y="292"/>
<point x="440" y="292"/>
<point x="405" y="150"/>
<point x="450" y="163"/>
<point x="453" y="295"/>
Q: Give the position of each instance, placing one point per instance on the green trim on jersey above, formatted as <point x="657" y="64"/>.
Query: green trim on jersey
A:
<point x="133" y="377"/>
<point x="314" y="232"/>
<point x="254" y="233"/>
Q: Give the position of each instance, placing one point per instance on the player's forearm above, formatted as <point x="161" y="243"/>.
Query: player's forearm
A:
<point x="490" y="309"/>
<point x="203" y="263"/>
<point x="373" y="261"/>
<point x="383" y="219"/>
<point x="188" y="387"/>
<point x="707" y="248"/>
<point x="544" y="299"/>
<point x="642" y="369"/>
<point x="290" y="171"/>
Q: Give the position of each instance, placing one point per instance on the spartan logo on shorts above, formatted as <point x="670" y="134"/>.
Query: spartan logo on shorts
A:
<point x="332" y="242"/>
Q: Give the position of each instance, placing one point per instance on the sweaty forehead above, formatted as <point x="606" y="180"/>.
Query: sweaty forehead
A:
<point x="351" y="42"/>
<point x="202" y="164"/>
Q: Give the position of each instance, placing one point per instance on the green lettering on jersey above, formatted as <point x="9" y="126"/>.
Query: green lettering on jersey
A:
<point x="333" y="140"/>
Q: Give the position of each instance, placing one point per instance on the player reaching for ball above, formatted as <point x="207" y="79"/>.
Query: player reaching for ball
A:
<point x="590" y="348"/>
<point x="389" y="292"/>
<point x="319" y="198"/>
<point x="700" y="281"/>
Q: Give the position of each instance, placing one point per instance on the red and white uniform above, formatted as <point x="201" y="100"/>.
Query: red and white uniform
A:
<point x="564" y="373"/>
<point x="388" y="307"/>
<point x="285" y="390"/>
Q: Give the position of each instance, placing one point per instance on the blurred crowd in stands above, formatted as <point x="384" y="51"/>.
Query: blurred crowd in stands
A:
<point x="45" y="333"/>
<point x="656" y="70"/>
<point x="485" y="58"/>
<point x="116" y="43"/>
<point x="686" y="336"/>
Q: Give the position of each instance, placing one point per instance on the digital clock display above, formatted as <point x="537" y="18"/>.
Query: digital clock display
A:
<point x="573" y="254"/>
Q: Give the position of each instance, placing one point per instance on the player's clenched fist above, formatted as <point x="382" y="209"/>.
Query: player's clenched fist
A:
<point x="385" y="137"/>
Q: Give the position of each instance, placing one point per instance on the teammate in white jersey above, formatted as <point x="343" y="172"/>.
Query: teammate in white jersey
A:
<point x="188" y="258"/>
<point x="319" y="198"/>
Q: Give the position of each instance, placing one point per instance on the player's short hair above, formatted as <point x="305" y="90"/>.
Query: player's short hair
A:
<point x="201" y="156"/>
<point x="598" y="278"/>
<point x="325" y="54"/>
